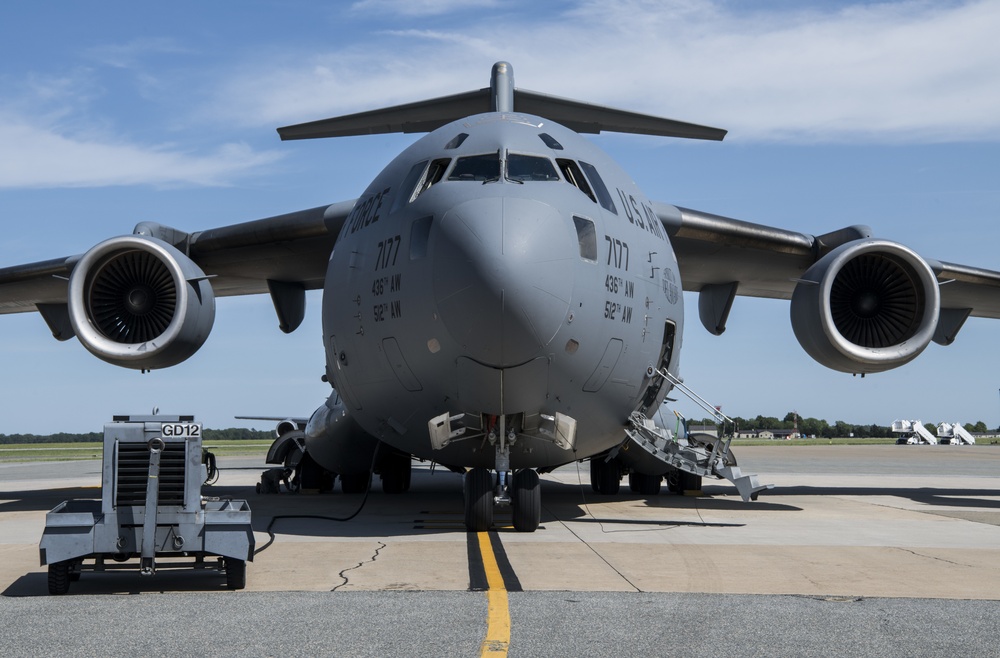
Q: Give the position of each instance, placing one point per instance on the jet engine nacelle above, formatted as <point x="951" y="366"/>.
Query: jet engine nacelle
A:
<point x="138" y="302"/>
<point x="867" y="306"/>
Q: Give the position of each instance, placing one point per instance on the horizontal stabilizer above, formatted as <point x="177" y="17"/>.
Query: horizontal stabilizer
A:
<point x="425" y="116"/>
<point x="589" y="118"/>
<point x="419" y="117"/>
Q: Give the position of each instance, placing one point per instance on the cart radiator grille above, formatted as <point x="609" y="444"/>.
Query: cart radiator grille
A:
<point x="133" y="474"/>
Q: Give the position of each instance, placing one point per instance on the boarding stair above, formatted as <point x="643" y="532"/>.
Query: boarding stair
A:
<point x="913" y="432"/>
<point x="955" y="434"/>
<point x="650" y="448"/>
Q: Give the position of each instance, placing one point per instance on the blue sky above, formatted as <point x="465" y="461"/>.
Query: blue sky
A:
<point x="884" y="114"/>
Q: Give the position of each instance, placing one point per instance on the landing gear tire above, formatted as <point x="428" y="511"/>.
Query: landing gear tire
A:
<point x="673" y="481"/>
<point x="355" y="483"/>
<point x="688" y="482"/>
<point x="605" y="476"/>
<point x="396" y="474"/>
<point x="478" y="499"/>
<point x="236" y="573"/>
<point x="527" y="501"/>
<point x="59" y="577"/>
<point x="648" y="485"/>
<point x="310" y="475"/>
<point x="293" y="470"/>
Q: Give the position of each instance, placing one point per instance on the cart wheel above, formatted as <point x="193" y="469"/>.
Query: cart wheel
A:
<point x="236" y="573"/>
<point x="59" y="577"/>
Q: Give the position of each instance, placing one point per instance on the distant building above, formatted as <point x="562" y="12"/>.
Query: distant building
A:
<point x="712" y="430"/>
<point x="780" y="435"/>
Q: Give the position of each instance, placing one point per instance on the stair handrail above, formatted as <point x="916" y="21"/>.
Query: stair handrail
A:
<point x="694" y="397"/>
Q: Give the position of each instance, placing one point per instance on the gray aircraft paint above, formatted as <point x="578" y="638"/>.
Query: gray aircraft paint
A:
<point x="474" y="297"/>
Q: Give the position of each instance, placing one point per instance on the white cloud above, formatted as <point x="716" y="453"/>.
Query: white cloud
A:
<point x="904" y="71"/>
<point x="39" y="156"/>
<point x="128" y="55"/>
<point x="420" y="7"/>
<point x="907" y="71"/>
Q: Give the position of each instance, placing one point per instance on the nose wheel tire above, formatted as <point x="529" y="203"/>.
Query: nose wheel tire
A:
<point x="478" y="499"/>
<point x="527" y="501"/>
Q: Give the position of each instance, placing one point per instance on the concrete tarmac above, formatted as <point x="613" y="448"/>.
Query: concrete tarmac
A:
<point x="885" y="550"/>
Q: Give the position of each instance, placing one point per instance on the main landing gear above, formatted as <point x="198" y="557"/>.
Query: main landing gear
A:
<point x="606" y="474"/>
<point x="521" y="491"/>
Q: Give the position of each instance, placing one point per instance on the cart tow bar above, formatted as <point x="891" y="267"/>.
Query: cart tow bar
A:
<point x="147" y="566"/>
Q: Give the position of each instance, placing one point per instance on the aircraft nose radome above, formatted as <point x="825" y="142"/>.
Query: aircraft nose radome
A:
<point x="503" y="277"/>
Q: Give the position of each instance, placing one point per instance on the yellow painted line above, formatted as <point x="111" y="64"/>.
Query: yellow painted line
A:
<point x="498" y="627"/>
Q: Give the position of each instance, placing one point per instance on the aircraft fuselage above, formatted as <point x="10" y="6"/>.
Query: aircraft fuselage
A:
<point x="505" y="272"/>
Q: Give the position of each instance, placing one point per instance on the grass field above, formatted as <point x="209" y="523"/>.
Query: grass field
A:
<point x="35" y="452"/>
<point x="838" y="442"/>
<point x="814" y="442"/>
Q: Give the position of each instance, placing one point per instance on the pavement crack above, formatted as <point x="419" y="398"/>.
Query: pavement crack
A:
<point x="932" y="557"/>
<point x="342" y="573"/>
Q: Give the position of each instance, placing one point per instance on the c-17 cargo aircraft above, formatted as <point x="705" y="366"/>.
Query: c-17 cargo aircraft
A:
<point x="502" y="299"/>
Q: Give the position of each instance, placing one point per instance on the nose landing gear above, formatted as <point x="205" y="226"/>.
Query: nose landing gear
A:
<point x="523" y="494"/>
<point x="526" y="499"/>
<point x="519" y="490"/>
<point x="478" y="499"/>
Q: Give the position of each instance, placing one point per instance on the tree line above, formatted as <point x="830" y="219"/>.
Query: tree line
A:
<point x="807" y="427"/>
<point x="822" y="429"/>
<point x="230" y="434"/>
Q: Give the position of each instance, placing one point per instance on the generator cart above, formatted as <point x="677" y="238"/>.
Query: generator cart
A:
<point x="151" y="510"/>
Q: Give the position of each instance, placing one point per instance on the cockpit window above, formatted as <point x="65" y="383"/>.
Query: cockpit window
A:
<point x="597" y="183"/>
<point x="420" y="177"/>
<point x="407" y="188"/>
<point x="484" y="168"/>
<point x="525" y="168"/>
<point x="571" y="172"/>
<point x="456" y="141"/>
<point x="434" y="174"/>
<point x="587" y="237"/>
<point x="517" y="168"/>
<point x="550" y="141"/>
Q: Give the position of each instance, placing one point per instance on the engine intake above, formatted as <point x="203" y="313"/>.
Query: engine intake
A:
<point x="138" y="302"/>
<point x="867" y="306"/>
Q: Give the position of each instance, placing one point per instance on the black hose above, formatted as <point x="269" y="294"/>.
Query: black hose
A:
<point x="212" y="470"/>
<point x="361" y="506"/>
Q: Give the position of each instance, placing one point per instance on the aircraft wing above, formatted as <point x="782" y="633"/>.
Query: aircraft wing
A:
<point x="146" y="300"/>
<point x="721" y="257"/>
<point x="238" y="260"/>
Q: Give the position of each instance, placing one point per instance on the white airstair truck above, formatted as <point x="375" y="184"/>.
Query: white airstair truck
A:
<point x="913" y="432"/>
<point x="955" y="434"/>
